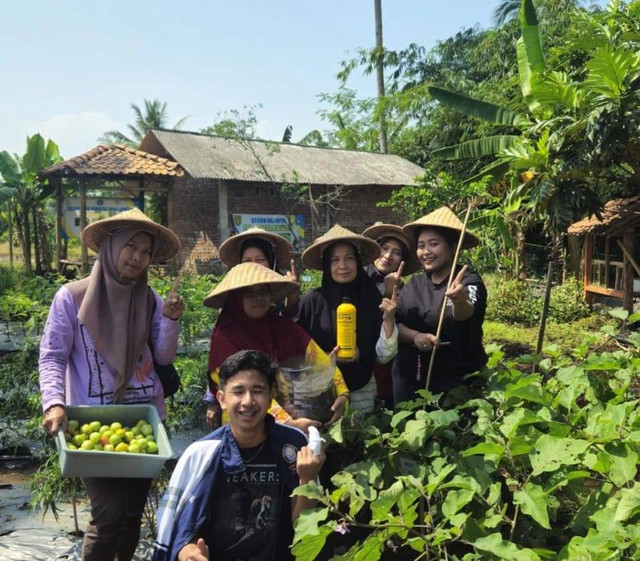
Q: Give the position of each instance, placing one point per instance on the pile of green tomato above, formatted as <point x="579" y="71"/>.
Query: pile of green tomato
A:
<point x="100" y="437"/>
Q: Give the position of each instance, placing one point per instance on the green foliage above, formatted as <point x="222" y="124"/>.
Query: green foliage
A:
<point x="433" y="191"/>
<point x="567" y="302"/>
<point x="186" y="409"/>
<point x="48" y="487"/>
<point x="310" y="280"/>
<point x="534" y="466"/>
<point x="512" y="301"/>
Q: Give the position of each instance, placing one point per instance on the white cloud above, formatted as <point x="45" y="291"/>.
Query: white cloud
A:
<point x="73" y="133"/>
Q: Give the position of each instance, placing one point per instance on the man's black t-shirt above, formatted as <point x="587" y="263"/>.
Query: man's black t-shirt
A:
<point x="250" y="512"/>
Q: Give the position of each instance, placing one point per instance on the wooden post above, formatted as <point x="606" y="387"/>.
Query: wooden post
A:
<point x="57" y="184"/>
<point x="586" y="273"/>
<point x="170" y="206"/>
<point x="83" y="225"/>
<point x="223" y="210"/>
<point x="627" y="270"/>
<point x="607" y="257"/>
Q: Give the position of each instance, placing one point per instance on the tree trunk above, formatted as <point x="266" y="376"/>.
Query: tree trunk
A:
<point x="24" y="234"/>
<point x="575" y="256"/>
<point x="10" y="221"/>
<point x="36" y="241"/>
<point x="380" y="75"/>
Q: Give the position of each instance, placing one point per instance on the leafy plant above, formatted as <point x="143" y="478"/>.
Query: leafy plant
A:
<point x="511" y="301"/>
<point x="567" y="302"/>
<point x="535" y="466"/>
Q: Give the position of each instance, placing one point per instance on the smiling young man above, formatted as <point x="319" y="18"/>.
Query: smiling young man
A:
<point x="229" y="496"/>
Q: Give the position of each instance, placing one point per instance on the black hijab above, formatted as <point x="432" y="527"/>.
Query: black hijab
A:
<point x="318" y="317"/>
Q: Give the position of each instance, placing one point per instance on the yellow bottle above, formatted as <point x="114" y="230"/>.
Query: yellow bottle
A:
<point x="346" y="329"/>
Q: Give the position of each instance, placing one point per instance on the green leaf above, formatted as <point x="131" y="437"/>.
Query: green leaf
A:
<point x="514" y="420"/>
<point x="439" y="475"/>
<point x="455" y="500"/>
<point x="629" y="504"/>
<point x="551" y="453"/>
<point x="308" y="521"/>
<point x="493" y="543"/>
<point x="309" y="547"/>
<point x="476" y="107"/>
<point x="619" y="313"/>
<point x="371" y="549"/>
<point x="485" y="449"/>
<point x="623" y="463"/>
<point x="533" y="501"/>
<point x="386" y="499"/>
<point x="310" y="490"/>
<point x="477" y="148"/>
<point x="399" y="417"/>
<point x="33" y="161"/>
<point x="609" y="70"/>
<point x="531" y="62"/>
<point x="415" y="434"/>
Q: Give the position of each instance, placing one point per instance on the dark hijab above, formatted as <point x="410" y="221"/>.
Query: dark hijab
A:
<point x="319" y="319"/>
<point x="262" y="245"/>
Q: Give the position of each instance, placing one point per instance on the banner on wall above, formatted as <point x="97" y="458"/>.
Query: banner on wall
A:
<point x="276" y="223"/>
<point x="97" y="208"/>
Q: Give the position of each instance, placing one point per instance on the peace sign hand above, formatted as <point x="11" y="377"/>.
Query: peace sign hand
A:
<point x="393" y="279"/>
<point x="173" y="304"/>
<point x="457" y="291"/>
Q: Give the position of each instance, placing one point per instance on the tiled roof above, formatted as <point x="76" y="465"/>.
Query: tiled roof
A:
<point x="115" y="160"/>
<point x="617" y="215"/>
<point x="212" y="157"/>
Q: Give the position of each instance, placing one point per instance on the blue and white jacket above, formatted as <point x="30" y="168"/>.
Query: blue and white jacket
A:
<point x="185" y="502"/>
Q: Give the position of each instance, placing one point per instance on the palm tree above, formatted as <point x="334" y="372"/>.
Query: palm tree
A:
<point x="154" y="116"/>
<point x="25" y="192"/>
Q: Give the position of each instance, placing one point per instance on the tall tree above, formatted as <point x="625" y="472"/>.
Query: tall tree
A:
<point x="27" y="192"/>
<point x="152" y="116"/>
<point x="379" y="54"/>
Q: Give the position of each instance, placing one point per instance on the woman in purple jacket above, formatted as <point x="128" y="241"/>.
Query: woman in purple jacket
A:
<point x="96" y="350"/>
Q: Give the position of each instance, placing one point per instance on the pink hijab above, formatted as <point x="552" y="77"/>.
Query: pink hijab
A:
<point x="116" y="313"/>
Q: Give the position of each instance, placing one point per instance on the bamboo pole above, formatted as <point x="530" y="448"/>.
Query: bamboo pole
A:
<point x="444" y="300"/>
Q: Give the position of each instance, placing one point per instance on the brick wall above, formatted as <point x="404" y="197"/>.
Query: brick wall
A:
<point x="193" y="214"/>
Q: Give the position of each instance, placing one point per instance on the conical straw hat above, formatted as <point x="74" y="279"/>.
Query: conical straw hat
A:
<point x="442" y="218"/>
<point x="230" y="249"/>
<point x="368" y="249"/>
<point x="166" y="243"/>
<point x="381" y="230"/>
<point x="245" y="275"/>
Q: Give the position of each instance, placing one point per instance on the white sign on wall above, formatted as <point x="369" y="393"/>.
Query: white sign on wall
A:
<point x="97" y="208"/>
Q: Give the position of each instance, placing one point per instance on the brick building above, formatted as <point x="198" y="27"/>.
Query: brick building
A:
<point x="207" y="180"/>
<point x="225" y="177"/>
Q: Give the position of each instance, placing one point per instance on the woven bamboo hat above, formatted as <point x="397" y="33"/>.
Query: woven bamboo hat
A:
<point x="245" y="275"/>
<point x="230" y="249"/>
<point x="166" y="243"/>
<point x="380" y="231"/>
<point x="368" y="249"/>
<point x="441" y="218"/>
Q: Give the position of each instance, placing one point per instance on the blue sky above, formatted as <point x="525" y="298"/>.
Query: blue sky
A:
<point x="71" y="69"/>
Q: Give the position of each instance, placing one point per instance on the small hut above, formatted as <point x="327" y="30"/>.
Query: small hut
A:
<point x="612" y="252"/>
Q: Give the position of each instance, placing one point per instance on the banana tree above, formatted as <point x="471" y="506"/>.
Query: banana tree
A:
<point x="26" y="193"/>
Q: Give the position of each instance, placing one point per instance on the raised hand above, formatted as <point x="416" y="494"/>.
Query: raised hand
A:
<point x="198" y="551"/>
<point x="457" y="291"/>
<point x="393" y="280"/>
<point x="388" y="305"/>
<point x="173" y="304"/>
